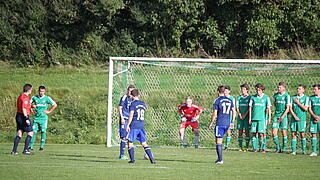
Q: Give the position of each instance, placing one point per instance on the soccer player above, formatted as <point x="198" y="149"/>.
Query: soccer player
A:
<point x="41" y="103"/>
<point x="259" y="112"/>
<point x="135" y="126"/>
<point x="314" y="110"/>
<point x="123" y="108"/>
<point x="242" y="107"/>
<point x="23" y="121"/>
<point x="222" y="108"/>
<point x="228" y="138"/>
<point x="190" y="114"/>
<point x="280" y="119"/>
<point x="299" y="108"/>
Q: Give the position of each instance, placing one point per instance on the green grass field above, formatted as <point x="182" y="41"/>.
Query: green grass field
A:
<point x="99" y="162"/>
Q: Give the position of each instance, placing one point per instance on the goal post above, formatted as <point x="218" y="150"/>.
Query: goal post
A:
<point x="165" y="82"/>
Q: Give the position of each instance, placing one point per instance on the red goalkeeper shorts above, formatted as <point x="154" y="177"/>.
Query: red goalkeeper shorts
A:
<point x="194" y="125"/>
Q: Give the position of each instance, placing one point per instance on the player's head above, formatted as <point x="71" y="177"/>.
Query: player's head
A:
<point x="189" y="100"/>
<point x="41" y="90"/>
<point x="244" y="88"/>
<point x="316" y="89"/>
<point x="259" y="88"/>
<point x="281" y="87"/>
<point x="221" y="90"/>
<point x="301" y="88"/>
<point x="130" y="88"/>
<point x="135" y="93"/>
<point x="227" y="90"/>
<point x="27" y="88"/>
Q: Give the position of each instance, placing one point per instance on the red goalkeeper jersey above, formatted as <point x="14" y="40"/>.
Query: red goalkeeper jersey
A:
<point x="190" y="112"/>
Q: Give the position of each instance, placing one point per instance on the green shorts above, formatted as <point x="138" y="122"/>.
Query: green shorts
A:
<point x="243" y="124"/>
<point x="314" y="127"/>
<point x="258" y="126"/>
<point x="282" y="125"/>
<point x="299" y="126"/>
<point x="40" y="126"/>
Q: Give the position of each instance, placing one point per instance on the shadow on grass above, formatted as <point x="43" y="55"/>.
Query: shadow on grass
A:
<point x="73" y="157"/>
<point x="183" y="161"/>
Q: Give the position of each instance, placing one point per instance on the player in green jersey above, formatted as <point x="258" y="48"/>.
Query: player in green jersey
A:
<point x="228" y="138"/>
<point x="298" y="109"/>
<point x="242" y="108"/>
<point x="40" y="104"/>
<point x="314" y="110"/>
<point x="281" y="101"/>
<point x="259" y="109"/>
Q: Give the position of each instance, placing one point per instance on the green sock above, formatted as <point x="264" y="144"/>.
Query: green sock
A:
<point x="276" y="142"/>
<point x="314" y="144"/>
<point x="264" y="142"/>
<point x="294" y="144"/>
<point x="304" y="144"/>
<point x="228" y="141"/>
<point x="247" y="141"/>
<point x="33" y="139"/>
<point x="43" y="139"/>
<point x="240" y="140"/>
<point x="285" y="141"/>
<point x="254" y="143"/>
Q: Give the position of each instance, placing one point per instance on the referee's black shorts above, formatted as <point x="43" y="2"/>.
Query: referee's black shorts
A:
<point x="21" y="123"/>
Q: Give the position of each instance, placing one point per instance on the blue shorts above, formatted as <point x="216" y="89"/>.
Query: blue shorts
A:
<point x="21" y="123"/>
<point x="122" y="130"/>
<point x="137" y="134"/>
<point x="219" y="131"/>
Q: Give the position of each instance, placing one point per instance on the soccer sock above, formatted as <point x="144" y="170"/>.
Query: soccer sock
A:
<point x="304" y="144"/>
<point x="264" y="142"/>
<point x="148" y="152"/>
<point x="34" y="137"/>
<point x="15" y="143"/>
<point x="183" y="139"/>
<point x="247" y="141"/>
<point x="228" y="141"/>
<point x="285" y="141"/>
<point x="240" y="140"/>
<point x="261" y="143"/>
<point x="294" y="144"/>
<point x="122" y="147"/>
<point x="196" y="140"/>
<point x="43" y="139"/>
<point x="314" y="144"/>
<point x="276" y="142"/>
<point x="254" y="143"/>
<point x="219" y="151"/>
<point x="131" y="153"/>
<point x="27" y="142"/>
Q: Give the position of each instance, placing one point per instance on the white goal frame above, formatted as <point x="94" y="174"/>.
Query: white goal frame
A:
<point x="202" y="60"/>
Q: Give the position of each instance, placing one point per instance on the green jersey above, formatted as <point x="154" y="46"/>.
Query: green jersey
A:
<point x="42" y="104"/>
<point x="243" y="103"/>
<point x="259" y="106"/>
<point x="234" y="105"/>
<point x="300" y="113"/>
<point x="281" y="101"/>
<point x="314" y="103"/>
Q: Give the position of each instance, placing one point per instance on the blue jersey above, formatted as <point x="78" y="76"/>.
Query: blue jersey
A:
<point x="224" y="106"/>
<point x="139" y="108"/>
<point x="125" y="102"/>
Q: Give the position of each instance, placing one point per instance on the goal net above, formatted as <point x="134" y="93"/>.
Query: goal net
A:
<point x="165" y="82"/>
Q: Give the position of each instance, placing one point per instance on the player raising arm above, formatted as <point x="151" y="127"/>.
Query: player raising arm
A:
<point x="135" y="126"/>
<point x="190" y="114"/>
<point x="314" y="110"/>
<point x="222" y="108"/>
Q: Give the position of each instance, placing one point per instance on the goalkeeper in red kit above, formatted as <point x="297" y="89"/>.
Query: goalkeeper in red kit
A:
<point x="190" y="114"/>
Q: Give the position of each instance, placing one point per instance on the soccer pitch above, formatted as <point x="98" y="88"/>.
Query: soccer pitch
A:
<point x="99" y="162"/>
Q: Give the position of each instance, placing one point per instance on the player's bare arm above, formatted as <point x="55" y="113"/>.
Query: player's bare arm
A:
<point x="51" y="109"/>
<point x="316" y="118"/>
<point x="121" y="115"/>
<point x="213" y="117"/>
<point x="284" y="113"/>
<point x="269" y="115"/>
<point x="294" y="115"/>
<point x="250" y="114"/>
<point x="129" y="121"/>
<point x="303" y="107"/>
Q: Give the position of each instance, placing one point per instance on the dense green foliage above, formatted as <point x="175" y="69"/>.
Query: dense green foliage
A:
<point x="43" y="32"/>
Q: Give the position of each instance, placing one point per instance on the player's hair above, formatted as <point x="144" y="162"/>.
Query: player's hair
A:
<point x="221" y="89"/>
<point x="245" y="86"/>
<point x="135" y="93"/>
<point x="260" y="86"/>
<point x="282" y="84"/>
<point x="27" y="87"/>
<point x="228" y="87"/>
<point x="131" y="87"/>
<point x="189" y="97"/>
<point x="301" y="85"/>
<point x="316" y="85"/>
<point x="41" y="87"/>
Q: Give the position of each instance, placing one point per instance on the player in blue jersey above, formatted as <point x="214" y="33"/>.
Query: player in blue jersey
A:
<point x="223" y="108"/>
<point x="135" y="126"/>
<point x="123" y="109"/>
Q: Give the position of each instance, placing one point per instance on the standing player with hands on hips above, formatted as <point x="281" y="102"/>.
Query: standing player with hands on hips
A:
<point x="135" y="127"/>
<point x="222" y="108"/>
<point x="190" y="114"/>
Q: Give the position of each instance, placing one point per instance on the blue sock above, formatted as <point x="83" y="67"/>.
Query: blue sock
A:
<point x="219" y="151"/>
<point x="122" y="147"/>
<point x="131" y="153"/>
<point x="26" y="143"/>
<point x="15" y="143"/>
<point x="148" y="152"/>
